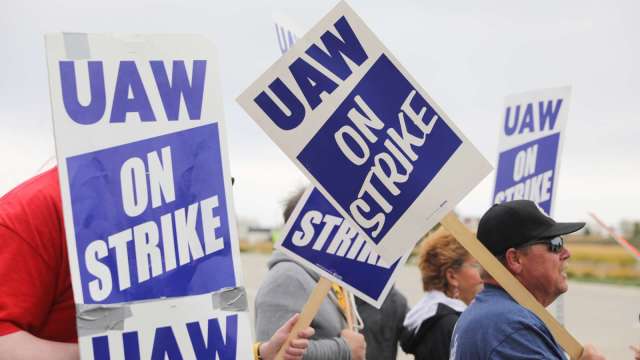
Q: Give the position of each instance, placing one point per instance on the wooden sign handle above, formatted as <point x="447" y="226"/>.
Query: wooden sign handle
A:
<point x="348" y="310"/>
<point x="309" y="311"/>
<point x="510" y="283"/>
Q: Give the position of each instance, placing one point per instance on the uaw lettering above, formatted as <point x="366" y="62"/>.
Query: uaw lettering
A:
<point x="150" y="218"/>
<point x="286" y="37"/>
<point x="527" y="171"/>
<point x="281" y="105"/>
<point x="321" y="237"/>
<point x="531" y="117"/>
<point x="384" y="139"/>
<point x="207" y="339"/>
<point x="129" y="94"/>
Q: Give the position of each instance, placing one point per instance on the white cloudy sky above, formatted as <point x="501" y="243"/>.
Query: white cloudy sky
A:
<point x="467" y="54"/>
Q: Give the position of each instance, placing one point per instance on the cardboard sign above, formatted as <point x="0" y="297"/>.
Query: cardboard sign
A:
<point x="364" y="132"/>
<point x="530" y="146"/>
<point x="177" y="328"/>
<point x="317" y="237"/>
<point x="143" y="172"/>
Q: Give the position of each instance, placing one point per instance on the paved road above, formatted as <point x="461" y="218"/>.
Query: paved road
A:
<point x="603" y="315"/>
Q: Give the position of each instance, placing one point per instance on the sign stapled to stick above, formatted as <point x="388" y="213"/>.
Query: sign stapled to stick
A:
<point x="146" y="196"/>
<point x="317" y="237"/>
<point x="531" y="137"/>
<point x="374" y="143"/>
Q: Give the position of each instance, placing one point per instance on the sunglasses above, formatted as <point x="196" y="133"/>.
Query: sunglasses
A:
<point x="555" y="244"/>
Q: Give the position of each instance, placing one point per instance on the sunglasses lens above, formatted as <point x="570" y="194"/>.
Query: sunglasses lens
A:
<point x="556" y="244"/>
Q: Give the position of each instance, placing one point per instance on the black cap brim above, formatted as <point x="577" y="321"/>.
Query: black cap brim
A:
<point x="558" y="229"/>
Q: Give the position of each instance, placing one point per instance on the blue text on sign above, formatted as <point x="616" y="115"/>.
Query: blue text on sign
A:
<point x="130" y="94"/>
<point x="150" y="218"/>
<point x="166" y="346"/>
<point x="519" y="120"/>
<point x="312" y="82"/>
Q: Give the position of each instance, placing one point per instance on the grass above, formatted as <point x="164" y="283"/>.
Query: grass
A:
<point x="601" y="254"/>
<point x="603" y="263"/>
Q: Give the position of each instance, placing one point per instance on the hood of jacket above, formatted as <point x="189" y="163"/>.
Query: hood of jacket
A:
<point x="427" y="308"/>
<point x="425" y="315"/>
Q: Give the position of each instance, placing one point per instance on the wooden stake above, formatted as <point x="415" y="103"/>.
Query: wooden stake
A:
<point x="348" y="311"/>
<point x="309" y="311"/>
<point x="510" y="283"/>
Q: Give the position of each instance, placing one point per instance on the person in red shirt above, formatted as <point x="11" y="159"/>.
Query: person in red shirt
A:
<point x="37" y="311"/>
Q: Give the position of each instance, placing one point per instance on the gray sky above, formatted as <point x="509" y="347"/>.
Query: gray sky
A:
<point x="467" y="54"/>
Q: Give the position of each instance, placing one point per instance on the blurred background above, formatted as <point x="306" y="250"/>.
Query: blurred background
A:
<point x="467" y="54"/>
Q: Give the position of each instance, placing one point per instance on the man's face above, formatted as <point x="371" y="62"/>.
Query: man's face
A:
<point x="544" y="272"/>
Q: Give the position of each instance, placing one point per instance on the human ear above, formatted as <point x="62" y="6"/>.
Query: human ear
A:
<point x="513" y="260"/>
<point x="452" y="277"/>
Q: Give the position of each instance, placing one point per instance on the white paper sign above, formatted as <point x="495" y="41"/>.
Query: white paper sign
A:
<point x="345" y="111"/>
<point x="146" y="193"/>
<point x="531" y="135"/>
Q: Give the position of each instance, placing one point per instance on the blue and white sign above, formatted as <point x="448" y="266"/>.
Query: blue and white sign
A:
<point x="365" y="133"/>
<point x="143" y="171"/>
<point x="530" y="146"/>
<point x="318" y="237"/>
<point x="176" y="328"/>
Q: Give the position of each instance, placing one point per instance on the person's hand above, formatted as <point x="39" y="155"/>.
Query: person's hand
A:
<point x="356" y="343"/>
<point x="589" y="352"/>
<point x="636" y="352"/>
<point x="297" y="346"/>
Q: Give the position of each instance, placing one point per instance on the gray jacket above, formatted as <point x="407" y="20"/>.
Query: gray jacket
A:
<point x="283" y="293"/>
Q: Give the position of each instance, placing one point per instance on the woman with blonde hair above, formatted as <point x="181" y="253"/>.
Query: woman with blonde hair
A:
<point x="450" y="279"/>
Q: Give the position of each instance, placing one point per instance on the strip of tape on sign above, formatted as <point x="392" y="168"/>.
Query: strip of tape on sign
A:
<point x="76" y="46"/>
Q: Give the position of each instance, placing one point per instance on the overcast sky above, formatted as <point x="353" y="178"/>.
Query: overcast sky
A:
<point x="467" y="54"/>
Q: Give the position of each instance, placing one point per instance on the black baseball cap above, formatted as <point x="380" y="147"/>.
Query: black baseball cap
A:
<point x="514" y="223"/>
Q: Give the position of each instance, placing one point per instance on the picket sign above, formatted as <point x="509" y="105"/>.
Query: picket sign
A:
<point x="517" y="291"/>
<point x="146" y="197"/>
<point x="365" y="133"/>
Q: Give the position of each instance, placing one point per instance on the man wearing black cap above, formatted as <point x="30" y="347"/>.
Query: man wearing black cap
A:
<point x="529" y="244"/>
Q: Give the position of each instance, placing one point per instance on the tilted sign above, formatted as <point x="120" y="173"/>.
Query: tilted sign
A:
<point x="146" y="196"/>
<point x="367" y="135"/>
<point x="317" y="237"/>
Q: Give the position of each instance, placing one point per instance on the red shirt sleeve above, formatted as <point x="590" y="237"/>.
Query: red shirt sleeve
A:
<point x="27" y="288"/>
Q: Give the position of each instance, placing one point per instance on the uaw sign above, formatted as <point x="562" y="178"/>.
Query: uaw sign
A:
<point x="146" y="195"/>
<point x="365" y="133"/>
<point x="530" y="146"/>
<point x="319" y="238"/>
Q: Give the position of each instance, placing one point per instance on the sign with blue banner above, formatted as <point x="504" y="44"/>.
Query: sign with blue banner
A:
<point x="374" y="143"/>
<point x="530" y="145"/>
<point x="143" y="171"/>
<point x="319" y="238"/>
<point x="175" y="328"/>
